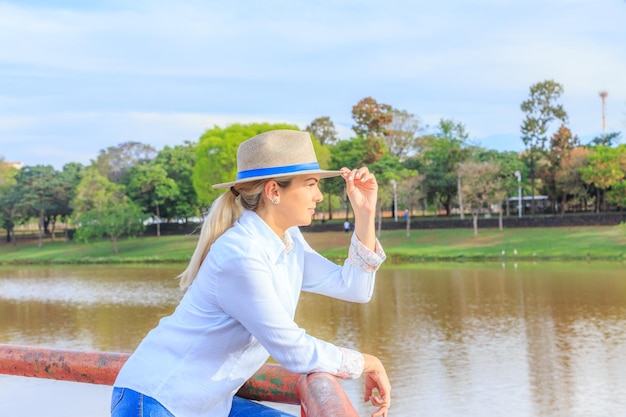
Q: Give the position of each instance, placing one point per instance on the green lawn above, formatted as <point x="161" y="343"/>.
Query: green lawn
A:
<point x="570" y="243"/>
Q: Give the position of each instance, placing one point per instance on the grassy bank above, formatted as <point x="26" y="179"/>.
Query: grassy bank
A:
<point x="572" y="243"/>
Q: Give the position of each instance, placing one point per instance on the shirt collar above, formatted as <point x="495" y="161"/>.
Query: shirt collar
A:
<point x="274" y="245"/>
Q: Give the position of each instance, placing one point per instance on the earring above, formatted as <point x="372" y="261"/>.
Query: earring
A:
<point x="274" y="200"/>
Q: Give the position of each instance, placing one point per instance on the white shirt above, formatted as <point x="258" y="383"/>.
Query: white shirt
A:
<point x="238" y="311"/>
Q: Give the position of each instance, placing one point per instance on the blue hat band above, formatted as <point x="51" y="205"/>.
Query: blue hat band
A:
<point x="288" y="169"/>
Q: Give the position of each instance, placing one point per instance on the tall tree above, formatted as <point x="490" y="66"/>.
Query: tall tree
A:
<point x="6" y="171"/>
<point x="410" y="193"/>
<point x="150" y="187"/>
<point x="568" y="177"/>
<point x="402" y="134"/>
<point x="439" y="158"/>
<point x="481" y="187"/>
<point x="178" y="162"/>
<point x="66" y="182"/>
<point x="323" y="129"/>
<point x="38" y="186"/>
<point x="371" y="118"/>
<point x="9" y="198"/>
<point x="561" y="144"/>
<point x="608" y="139"/>
<point x="541" y="109"/>
<point x="453" y="130"/>
<point x="116" y="160"/>
<point x="617" y="194"/>
<point x="510" y="162"/>
<point x="603" y="171"/>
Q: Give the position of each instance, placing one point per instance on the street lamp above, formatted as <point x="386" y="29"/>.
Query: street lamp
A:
<point x="395" y="200"/>
<point x="519" y="193"/>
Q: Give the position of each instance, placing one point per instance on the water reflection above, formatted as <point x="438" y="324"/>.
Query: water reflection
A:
<point x="470" y="340"/>
<point x="91" y="308"/>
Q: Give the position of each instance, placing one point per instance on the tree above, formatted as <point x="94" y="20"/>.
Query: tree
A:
<point x="8" y="197"/>
<point x="102" y="209"/>
<point x="178" y="162"/>
<point x="402" y="134"/>
<point x="568" y="177"/>
<point x="116" y="160"/>
<point x="410" y="193"/>
<point x="453" y="130"/>
<point x="610" y="139"/>
<point x="64" y="193"/>
<point x="323" y="129"/>
<point x="37" y="187"/>
<point x="481" y="186"/>
<point x="510" y="162"/>
<point x="371" y="118"/>
<point x="541" y="109"/>
<point x="561" y="144"/>
<point x="438" y="160"/>
<point x="603" y="171"/>
<point x="7" y="172"/>
<point x="216" y="156"/>
<point x="617" y="194"/>
<point x="120" y="218"/>
<point x="150" y="187"/>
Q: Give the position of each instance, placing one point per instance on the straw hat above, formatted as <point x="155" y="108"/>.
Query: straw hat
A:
<point x="275" y="154"/>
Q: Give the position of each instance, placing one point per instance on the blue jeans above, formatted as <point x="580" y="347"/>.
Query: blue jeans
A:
<point x="128" y="403"/>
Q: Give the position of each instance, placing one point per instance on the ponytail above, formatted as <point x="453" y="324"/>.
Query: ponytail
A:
<point x="221" y="216"/>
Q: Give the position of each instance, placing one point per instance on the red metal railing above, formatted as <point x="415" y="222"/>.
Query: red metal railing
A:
<point x="319" y="394"/>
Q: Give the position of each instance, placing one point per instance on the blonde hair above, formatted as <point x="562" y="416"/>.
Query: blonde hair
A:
<point x="221" y="216"/>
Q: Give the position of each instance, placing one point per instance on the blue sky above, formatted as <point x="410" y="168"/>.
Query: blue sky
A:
<point x="80" y="76"/>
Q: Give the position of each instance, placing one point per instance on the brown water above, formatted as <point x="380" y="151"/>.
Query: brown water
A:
<point x="458" y="340"/>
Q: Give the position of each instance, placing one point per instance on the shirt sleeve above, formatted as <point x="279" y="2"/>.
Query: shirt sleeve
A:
<point x="246" y="292"/>
<point x="352" y="281"/>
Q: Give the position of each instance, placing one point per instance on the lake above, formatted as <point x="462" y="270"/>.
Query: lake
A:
<point x="528" y="339"/>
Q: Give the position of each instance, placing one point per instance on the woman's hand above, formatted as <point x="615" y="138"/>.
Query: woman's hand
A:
<point x="362" y="189"/>
<point x="376" y="379"/>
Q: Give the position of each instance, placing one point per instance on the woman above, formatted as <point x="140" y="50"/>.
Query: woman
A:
<point x="242" y="286"/>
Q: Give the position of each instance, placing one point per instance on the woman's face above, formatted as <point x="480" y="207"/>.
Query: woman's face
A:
<point x="297" y="201"/>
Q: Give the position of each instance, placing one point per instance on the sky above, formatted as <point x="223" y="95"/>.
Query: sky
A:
<point x="77" y="77"/>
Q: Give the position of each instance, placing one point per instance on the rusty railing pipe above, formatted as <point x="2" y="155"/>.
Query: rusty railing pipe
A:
<point x="319" y="394"/>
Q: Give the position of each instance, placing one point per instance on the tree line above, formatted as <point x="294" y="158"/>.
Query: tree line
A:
<point x="417" y="166"/>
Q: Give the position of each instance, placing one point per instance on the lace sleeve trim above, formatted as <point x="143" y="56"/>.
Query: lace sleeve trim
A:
<point x="352" y="364"/>
<point x="363" y="258"/>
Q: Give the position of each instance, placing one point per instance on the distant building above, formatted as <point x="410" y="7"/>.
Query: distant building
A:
<point x="16" y="165"/>
<point x="542" y="203"/>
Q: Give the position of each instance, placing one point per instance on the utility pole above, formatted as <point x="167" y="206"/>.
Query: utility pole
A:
<point x="603" y="94"/>
<point x="395" y="200"/>
<point x="458" y="179"/>
<point x="519" y="194"/>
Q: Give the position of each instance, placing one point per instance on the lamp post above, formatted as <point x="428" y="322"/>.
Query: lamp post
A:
<point x="458" y="187"/>
<point x="395" y="200"/>
<point x="519" y="193"/>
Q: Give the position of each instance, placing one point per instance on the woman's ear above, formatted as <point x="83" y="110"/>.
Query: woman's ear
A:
<point x="271" y="190"/>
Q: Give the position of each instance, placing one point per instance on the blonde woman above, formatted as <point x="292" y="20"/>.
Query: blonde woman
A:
<point x="242" y="286"/>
